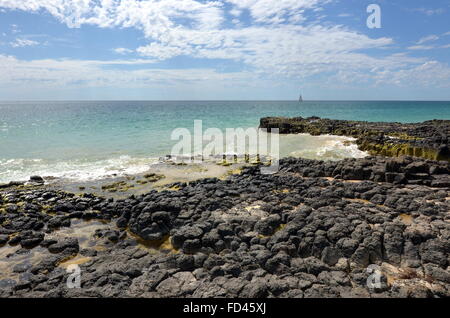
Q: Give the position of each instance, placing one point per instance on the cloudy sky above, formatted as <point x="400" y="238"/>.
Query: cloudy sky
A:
<point x="227" y="49"/>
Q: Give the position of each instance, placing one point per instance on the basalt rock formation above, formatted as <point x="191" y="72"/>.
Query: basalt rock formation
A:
<point x="311" y="230"/>
<point x="429" y="139"/>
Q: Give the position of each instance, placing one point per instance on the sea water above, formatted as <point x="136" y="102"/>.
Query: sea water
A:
<point x="91" y="139"/>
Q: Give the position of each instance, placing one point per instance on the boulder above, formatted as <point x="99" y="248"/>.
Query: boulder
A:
<point x="37" y="179"/>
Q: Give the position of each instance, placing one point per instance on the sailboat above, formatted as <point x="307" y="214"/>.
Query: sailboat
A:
<point x="300" y="100"/>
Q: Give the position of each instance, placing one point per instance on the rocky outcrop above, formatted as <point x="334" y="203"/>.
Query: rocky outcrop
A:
<point x="429" y="139"/>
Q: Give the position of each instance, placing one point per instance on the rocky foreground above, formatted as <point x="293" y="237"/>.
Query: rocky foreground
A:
<point x="311" y="230"/>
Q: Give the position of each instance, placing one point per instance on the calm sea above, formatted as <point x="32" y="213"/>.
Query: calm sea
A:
<point x="90" y="139"/>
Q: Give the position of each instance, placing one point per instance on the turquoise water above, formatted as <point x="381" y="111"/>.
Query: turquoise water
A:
<point x="64" y="138"/>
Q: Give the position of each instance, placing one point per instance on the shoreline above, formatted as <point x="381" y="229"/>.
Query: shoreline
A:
<point x="309" y="231"/>
<point x="128" y="166"/>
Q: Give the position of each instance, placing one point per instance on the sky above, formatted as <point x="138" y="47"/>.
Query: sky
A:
<point x="223" y="50"/>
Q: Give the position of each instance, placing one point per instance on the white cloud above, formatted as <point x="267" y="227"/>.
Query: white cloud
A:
<point x="235" y="12"/>
<point x="152" y="16"/>
<point x="421" y="47"/>
<point x="269" y="11"/>
<point x="51" y="73"/>
<point x="66" y="73"/>
<point x="289" y="50"/>
<point x="279" y="42"/>
<point x="23" y="43"/>
<point x="163" y="52"/>
<point x="14" y="29"/>
<point x="429" y="38"/>
<point x="428" y="74"/>
<point x="429" y="11"/>
<point x="122" y="50"/>
<point x="194" y="28"/>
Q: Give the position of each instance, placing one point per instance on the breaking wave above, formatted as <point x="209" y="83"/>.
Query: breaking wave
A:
<point x="324" y="147"/>
<point x="80" y="170"/>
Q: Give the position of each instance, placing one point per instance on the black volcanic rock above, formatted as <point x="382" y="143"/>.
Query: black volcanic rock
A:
<point x="37" y="179"/>
<point x="311" y="230"/>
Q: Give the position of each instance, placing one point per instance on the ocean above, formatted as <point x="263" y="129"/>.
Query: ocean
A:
<point x="85" y="140"/>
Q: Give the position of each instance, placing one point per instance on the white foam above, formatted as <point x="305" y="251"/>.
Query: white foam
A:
<point x="80" y="170"/>
<point x="323" y="147"/>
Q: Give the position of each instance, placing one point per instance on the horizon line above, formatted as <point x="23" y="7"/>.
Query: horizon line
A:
<point x="223" y="100"/>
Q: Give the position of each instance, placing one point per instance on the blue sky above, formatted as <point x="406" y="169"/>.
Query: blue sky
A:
<point x="229" y="49"/>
